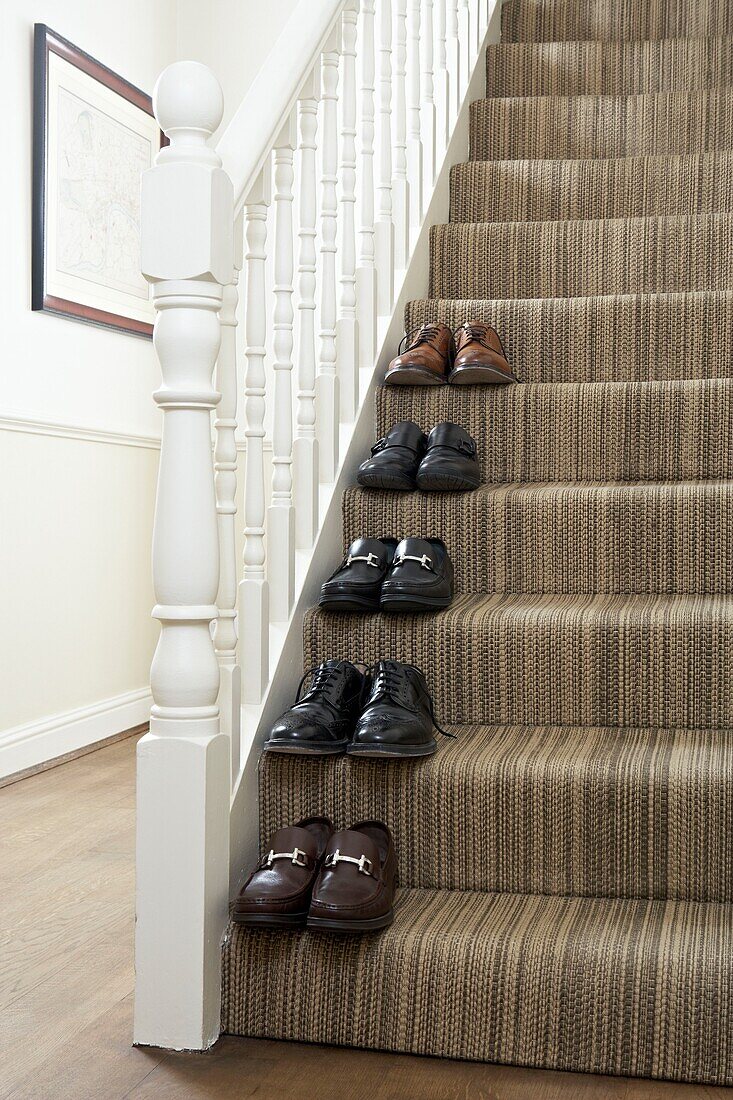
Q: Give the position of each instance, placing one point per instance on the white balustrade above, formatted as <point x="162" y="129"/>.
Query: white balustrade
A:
<point x="366" y="272"/>
<point x="453" y="63"/>
<point x="347" y="327"/>
<point x="428" y="121"/>
<point x="400" y="184"/>
<point x="442" y="79"/>
<point x="384" y="225"/>
<point x="465" y="24"/>
<point x="254" y="596"/>
<point x="414" y="123"/>
<point x="281" y="514"/>
<point x="305" y="448"/>
<point x="327" y="383"/>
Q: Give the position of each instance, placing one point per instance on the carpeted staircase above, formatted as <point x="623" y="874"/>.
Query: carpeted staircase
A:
<point x="566" y="865"/>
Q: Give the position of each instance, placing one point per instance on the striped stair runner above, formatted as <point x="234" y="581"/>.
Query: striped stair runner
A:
<point x="566" y="864"/>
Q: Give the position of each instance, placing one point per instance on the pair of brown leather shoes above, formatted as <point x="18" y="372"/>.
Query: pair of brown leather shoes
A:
<point x="473" y="355"/>
<point x="315" y="877"/>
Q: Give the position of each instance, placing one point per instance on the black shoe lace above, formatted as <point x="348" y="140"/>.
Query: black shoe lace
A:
<point x="386" y="679"/>
<point x="321" y="683"/>
<point x="423" y="334"/>
<point x="476" y="332"/>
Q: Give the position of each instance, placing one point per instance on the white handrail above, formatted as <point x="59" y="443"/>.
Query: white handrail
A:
<point x="247" y="141"/>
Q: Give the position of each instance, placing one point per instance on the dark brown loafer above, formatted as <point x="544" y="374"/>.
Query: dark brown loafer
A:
<point x="479" y="357"/>
<point x="355" y="889"/>
<point x="425" y="359"/>
<point x="278" y="892"/>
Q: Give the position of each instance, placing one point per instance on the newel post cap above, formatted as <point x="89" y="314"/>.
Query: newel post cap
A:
<point x="187" y="96"/>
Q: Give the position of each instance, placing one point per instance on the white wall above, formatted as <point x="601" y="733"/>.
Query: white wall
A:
<point x="78" y="429"/>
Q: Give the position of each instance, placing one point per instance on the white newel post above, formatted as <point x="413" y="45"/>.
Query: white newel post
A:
<point x="183" y="763"/>
<point x="428" y="124"/>
<point x="453" y="55"/>
<point x="225" y="484"/>
<point x="384" y="227"/>
<point x="254" y="596"/>
<point x="347" y="327"/>
<point x="414" y="132"/>
<point x="442" y="88"/>
<point x="327" y="385"/>
<point x="305" y="448"/>
<point x="400" y="185"/>
<point x="366" y="272"/>
<point x="281" y="514"/>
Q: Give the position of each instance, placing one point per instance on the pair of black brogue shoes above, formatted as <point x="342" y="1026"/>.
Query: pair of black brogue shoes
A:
<point x="383" y="711"/>
<point x="387" y="575"/>
<point x="406" y="459"/>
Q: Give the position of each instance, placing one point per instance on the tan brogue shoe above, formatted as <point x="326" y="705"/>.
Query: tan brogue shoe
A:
<point x="479" y="357"/>
<point x="425" y="359"/>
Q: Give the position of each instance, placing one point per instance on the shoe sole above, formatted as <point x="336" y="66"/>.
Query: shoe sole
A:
<point x="293" y="749"/>
<point x="414" y="603"/>
<point x="386" y="752"/>
<point x="445" y="483"/>
<point x="267" y="920"/>
<point x="348" y="603"/>
<point x="412" y="376"/>
<point x="331" y="924"/>
<point x="479" y="376"/>
<point x="385" y="481"/>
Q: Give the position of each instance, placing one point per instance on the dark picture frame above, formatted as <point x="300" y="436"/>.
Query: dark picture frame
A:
<point x="44" y="297"/>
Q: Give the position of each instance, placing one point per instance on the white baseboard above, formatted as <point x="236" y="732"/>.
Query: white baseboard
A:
<point x="36" y="742"/>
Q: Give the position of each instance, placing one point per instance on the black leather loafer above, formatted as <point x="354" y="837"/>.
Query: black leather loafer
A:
<point x="322" y="721"/>
<point x="357" y="583"/>
<point x="395" y="459"/>
<point x="397" y="719"/>
<point x="420" y="577"/>
<point x="450" y="462"/>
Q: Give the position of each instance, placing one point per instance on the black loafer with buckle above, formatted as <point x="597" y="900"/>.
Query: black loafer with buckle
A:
<point x="450" y="463"/>
<point x="357" y="583"/>
<point x="420" y="577"/>
<point x="395" y="459"/>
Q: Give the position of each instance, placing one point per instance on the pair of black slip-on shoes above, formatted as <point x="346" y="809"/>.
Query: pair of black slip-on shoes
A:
<point x="387" y="575"/>
<point x="406" y="459"/>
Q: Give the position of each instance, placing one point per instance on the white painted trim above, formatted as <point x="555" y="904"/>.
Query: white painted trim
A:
<point x="34" y="743"/>
<point x="16" y="422"/>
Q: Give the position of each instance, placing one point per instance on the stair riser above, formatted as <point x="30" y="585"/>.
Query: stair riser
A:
<point x="608" y="68"/>
<point x="602" y="339"/>
<point x="500" y="660"/>
<point x="568" y="20"/>
<point x="646" y="539"/>
<point x="581" y="258"/>
<point x="548" y="811"/>
<point x="549" y="190"/>
<point x="581" y="432"/>
<point x="603" y="987"/>
<point x="588" y="126"/>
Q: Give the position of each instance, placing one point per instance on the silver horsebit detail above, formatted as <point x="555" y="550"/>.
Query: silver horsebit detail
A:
<point x="425" y="561"/>
<point x="370" y="559"/>
<point x="364" y="864"/>
<point x="296" y="857"/>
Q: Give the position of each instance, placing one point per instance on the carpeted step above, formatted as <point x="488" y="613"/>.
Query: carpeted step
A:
<point x="626" y="187"/>
<point x="563" y="20"/>
<point x="547" y="127"/>
<point x="581" y="431"/>
<point x="564" y="538"/>
<point x="650" y="337"/>
<point x="608" y="68"/>
<point x="596" y="660"/>
<point x="545" y="810"/>
<point x="572" y="258"/>
<point x="608" y="986"/>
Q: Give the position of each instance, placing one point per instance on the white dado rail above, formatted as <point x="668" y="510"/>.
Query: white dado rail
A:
<point x="317" y="194"/>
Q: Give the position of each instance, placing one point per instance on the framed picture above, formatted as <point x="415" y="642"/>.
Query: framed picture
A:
<point x="93" y="134"/>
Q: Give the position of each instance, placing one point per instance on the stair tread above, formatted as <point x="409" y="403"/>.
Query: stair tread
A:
<point x="595" y="811"/>
<point x="596" y="984"/>
<point x="560" y="20"/>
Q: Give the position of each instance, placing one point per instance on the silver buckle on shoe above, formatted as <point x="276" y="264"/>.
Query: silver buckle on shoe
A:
<point x="425" y="561"/>
<point x="364" y="864"/>
<point x="370" y="559"/>
<point x="296" y="857"/>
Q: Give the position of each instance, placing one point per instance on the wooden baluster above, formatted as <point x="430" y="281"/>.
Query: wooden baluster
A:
<point x="327" y="385"/>
<point x="414" y="137"/>
<point x="305" y="448"/>
<point x="465" y="23"/>
<point x="225" y="484"/>
<point x="428" y="124"/>
<point x="183" y="763"/>
<point x="442" y="84"/>
<point x="366" y="272"/>
<point x="254" y="603"/>
<point x="347" y="327"/>
<point x="400" y="185"/>
<point x="453" y="62"/>
<point x="281" y="514"/>
<point x="384" y="227"/>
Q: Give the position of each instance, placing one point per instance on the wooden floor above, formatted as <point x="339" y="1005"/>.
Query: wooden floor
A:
<point x="66" y="979"/>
